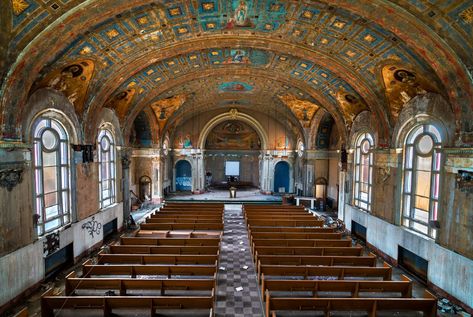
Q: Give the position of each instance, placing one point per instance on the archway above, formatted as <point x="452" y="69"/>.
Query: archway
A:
<point x="281" y="177"/>
<point x="145" y="188"/>
<point x="232" y="150"/>
<point x="183" y="176"/>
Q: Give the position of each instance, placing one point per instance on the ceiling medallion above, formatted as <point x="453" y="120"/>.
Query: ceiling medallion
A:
<point x="233" y="113"/>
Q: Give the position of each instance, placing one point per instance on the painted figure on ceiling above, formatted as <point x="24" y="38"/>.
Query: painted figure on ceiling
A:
<point x="240" y="17"/>
<point x="241" y="13"/>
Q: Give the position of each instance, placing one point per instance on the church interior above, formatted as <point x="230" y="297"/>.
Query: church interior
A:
<point x="238" y="157"/>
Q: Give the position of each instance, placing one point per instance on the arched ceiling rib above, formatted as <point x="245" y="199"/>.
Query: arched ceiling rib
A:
<point x="348" y="38"/>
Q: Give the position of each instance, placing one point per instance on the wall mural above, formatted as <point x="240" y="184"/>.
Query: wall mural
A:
<point x="402" y="84"/>
<point x="183" y="141"/>
<point x="233" y="135"/>
<point x="304" y="110"/>
<point x="73" y="80"/>
<point x="164" y="108"/>
<point x="235" y="86"/>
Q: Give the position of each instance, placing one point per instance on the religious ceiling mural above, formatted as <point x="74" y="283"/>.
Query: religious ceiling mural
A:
<point x="304" y="110"/>
<point x="233" y="135"/>
<point x="138" y="51"/>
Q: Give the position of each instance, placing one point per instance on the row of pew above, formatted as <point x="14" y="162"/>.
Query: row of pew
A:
<point x="168" y="266"/>
<point x="304" y="267"/>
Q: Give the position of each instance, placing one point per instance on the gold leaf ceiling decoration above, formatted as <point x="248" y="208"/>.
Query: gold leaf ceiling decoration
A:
<point x="19" y="6"/>
<point x="350" y="106"/>
<point x="165" y="108"/>
<point x="121" y="102"/>
<point x="403" y="84"/>
<point x="73" y="80"/>
<point x="304" y="110"/>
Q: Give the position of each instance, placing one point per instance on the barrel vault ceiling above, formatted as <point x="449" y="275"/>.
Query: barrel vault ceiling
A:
<point x="284" y="58"/>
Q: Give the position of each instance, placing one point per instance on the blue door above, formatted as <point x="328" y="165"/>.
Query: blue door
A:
<point x="281" y="177"/>
<point x="183" y="176"/>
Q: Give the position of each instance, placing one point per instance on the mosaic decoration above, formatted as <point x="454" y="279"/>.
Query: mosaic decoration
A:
<point x="73" y="80"/>
<point x="351" y="46"/>
<point x="164" y="108"/>
<point x="322" y="140"/>
<point x="235" y="86"/>
<point x="304" y="110"/>
<point x="19" y="6"/>
<point x="121" y="102"/>
<point x="350" y="105"/>
<point x="233" y="135"/>
<point x="403" y="84"/>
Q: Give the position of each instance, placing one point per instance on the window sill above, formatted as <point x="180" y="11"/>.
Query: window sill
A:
<point x="108" y="207"/>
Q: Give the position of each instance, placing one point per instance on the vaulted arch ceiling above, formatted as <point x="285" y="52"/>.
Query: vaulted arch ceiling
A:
<point x="325" y="49"/>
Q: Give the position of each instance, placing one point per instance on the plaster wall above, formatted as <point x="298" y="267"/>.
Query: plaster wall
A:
<point x="249" y="167"/>
<point x="448" y="270"/>
<point x="24" y="267"/>
<point x="332" y="191"/>
<point x="87" y="185"/>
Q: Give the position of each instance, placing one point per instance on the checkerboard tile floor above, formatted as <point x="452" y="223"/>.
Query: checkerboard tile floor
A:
<point x="235" y="255"/>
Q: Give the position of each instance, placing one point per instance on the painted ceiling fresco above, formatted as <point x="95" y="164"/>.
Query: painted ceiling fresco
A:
<point x="139" y="52"/>
<point x="234" y="135"/>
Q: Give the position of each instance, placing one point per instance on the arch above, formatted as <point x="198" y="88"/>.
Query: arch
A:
<point x="430" y="108"/>
<point x="282" y="176"/>
<point x="183" y="179"/>
<point x="145" y="189"/>
<point x="54" y="104"/>
<point x="233" y="114"/>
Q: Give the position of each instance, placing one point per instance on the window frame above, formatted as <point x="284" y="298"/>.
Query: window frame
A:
<point x="61" y="154"/>
<point x="109" y="165"/>
<point x="358" y="200"/>
<point x="412" y="158"/>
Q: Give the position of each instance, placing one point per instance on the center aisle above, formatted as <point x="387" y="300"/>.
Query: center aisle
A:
<point x="236" y="270"/>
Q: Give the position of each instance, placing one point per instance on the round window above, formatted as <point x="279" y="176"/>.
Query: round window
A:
<point x="49" y="140"/>
<point x="105" y="144"/>
<point x="425" y="144"/>
<point x="365" y="146"/>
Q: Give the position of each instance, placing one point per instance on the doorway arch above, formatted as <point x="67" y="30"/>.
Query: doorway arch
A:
<point x="183" y="176"/>
<point x="281" y="177"/>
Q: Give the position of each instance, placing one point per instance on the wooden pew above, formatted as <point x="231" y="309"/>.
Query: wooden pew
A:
<point x="352" y="288"/>
<point x="321" y="261"/>
<point x="137" y="249"/>
<point x="289" y="229"/>
<point x="299" y="243"/>
<point x="89" y="270"/>
<point x="157" y="259"/>
<point x="179" y="234"/>
<point x="181" y="220"/>
<point x="296" y="235"/>
<point x="181" y="226"/>
<point x="122" y="285"/>
<point x="352" y="251"/>
<point x="22" y="313"/>
<point x="185" y="216"/>
<point x="169" y="241"/>
<point x="109" y="303"/>
<point x="287" y="223"/>
<point x="337" y="272"/>
<point x="427" y="305"/>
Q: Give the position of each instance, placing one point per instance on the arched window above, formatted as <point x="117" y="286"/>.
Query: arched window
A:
<point x="363" y="171"/>
<point x="106" y="146"/>
<point x="422" y="161"/>
<point x="51" y="174"/>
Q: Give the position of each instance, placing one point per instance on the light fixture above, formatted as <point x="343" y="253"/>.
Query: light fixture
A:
<point x="162" y="114"/>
